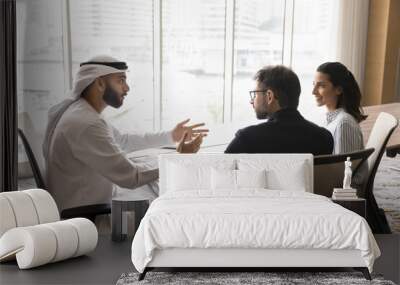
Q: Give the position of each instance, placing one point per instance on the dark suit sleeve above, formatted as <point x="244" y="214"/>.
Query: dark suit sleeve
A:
<point x="238" y="144"/>
<point x="330" y="142"/>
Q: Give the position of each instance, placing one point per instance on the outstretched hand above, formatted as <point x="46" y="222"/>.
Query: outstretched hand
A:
<point x="192" y="131"/>
<point x="191" y="146"/>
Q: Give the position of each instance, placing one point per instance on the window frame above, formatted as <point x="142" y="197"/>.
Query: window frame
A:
<point x="230" y="5"/>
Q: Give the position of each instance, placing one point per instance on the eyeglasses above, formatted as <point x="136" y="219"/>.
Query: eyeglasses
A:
<point x="254" y="93"/>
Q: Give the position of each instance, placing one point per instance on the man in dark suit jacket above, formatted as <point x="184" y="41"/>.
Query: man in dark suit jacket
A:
<point x="276" y="98"/>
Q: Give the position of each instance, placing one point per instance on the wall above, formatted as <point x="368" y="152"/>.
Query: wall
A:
<point x="383" y="53"/>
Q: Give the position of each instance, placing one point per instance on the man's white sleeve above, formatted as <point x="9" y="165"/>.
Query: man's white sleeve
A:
<point x="135" y="141"/>
<point x="98" y="149"/>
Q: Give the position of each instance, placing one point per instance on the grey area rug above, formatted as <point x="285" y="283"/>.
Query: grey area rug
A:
<point x="387" y="190"/>
<point x="228" y="278"/>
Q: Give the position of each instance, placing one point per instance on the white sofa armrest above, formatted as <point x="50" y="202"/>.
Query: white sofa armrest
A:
<point x="26" y="208"/>
<point x="40" y="244"/>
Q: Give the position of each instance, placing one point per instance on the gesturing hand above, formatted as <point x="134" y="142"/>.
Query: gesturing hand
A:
<point x="189" y="147"/>
<point x="192" y="131"/>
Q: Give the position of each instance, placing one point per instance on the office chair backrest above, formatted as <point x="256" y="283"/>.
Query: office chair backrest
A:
<point x="32" y="161"/>
<point x="329" y="170"/>
<point x="383" y="128"/>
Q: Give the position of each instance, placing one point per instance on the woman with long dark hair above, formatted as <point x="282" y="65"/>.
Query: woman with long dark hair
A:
<point x="336" y="88"/>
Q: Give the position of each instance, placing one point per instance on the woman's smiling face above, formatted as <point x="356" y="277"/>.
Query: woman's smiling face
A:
<point x="325" y="93"/>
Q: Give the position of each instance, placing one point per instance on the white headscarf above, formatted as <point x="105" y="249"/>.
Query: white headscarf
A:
<point x="87" y="73"/>
<point x="91" y="70"/>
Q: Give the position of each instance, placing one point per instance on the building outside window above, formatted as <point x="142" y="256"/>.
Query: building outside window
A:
<point x="187" y="59"/>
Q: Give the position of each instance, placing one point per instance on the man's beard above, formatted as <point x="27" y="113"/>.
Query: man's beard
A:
<point x="262" y="114"/>
<point x="111" y="97"/>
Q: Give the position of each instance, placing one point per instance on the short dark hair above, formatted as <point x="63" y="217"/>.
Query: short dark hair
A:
<point x="350" y="99"/>
<point x="283" y="82"/>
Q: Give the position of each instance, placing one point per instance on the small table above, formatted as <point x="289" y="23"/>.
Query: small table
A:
<point x="358" y="205"/>
<point x="136" y="200"/>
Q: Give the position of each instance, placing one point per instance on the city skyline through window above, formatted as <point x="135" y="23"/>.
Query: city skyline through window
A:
<point x="178" y="53"/>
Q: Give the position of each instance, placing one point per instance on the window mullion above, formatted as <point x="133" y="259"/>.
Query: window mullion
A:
<point x="228" y="59"/>
<point x="67" y="46"/>
<point x="157" y="65"/>
<point x="288" y="33"/>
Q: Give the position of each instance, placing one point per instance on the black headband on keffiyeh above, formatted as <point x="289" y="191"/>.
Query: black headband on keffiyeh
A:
<point x="117" y="64"/>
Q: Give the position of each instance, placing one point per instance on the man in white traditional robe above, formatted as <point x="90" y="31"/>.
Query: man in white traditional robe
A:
<point x="85" y="155"/>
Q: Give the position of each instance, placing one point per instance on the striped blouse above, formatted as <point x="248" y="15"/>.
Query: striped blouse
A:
<point x="345" y="130"/>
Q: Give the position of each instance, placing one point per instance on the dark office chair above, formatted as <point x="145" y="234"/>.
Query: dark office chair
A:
<point x="329" y="170"/>
<point x="90" y="211"/>
<point x="32" y="161"/>
<point x="383" y="128"/>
